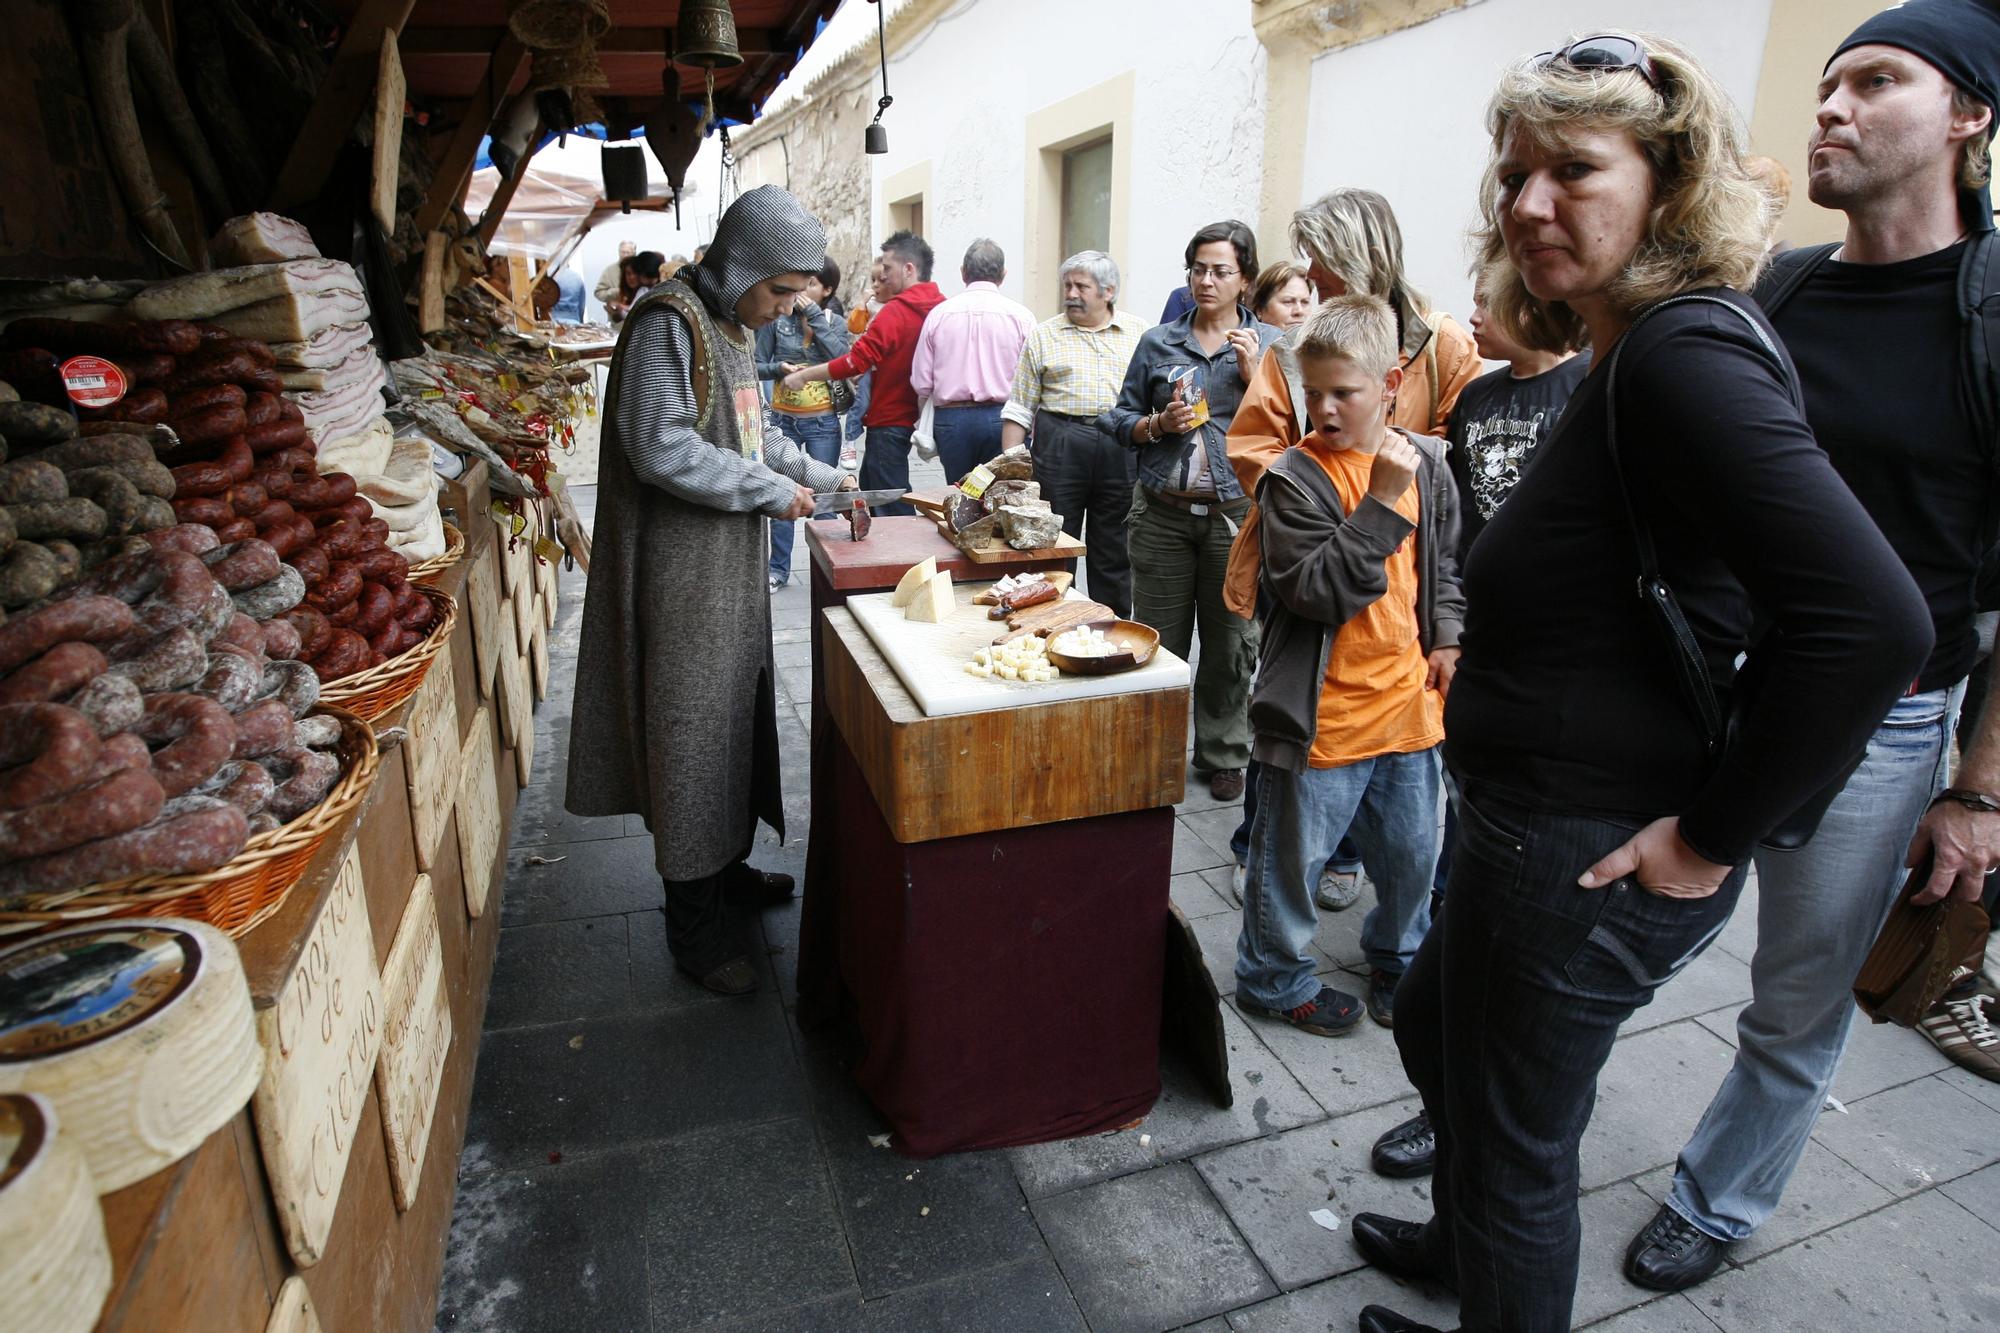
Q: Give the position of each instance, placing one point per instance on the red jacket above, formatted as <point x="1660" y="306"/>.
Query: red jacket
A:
<point x="886" y="349"/>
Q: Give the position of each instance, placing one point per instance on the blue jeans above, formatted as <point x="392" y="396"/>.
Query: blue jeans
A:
<point x="820" y="437"/>
<point x="1818" y="911"/>
<point x="885" y="465"/>
<point x="1389" y="804"/>
<point x="1503" y="1022"/>
<point x="1346" y="857"/>
<point x="966" y="437"/>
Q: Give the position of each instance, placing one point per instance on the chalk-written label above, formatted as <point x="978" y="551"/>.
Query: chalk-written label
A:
<point x="416" y="1040"/>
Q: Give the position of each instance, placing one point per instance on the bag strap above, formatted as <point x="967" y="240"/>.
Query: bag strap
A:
<point x="1787" y="273"/>
<point x="1652" y="588"/>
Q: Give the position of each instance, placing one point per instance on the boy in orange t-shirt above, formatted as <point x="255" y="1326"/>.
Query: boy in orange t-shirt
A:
<point x="1360" y="542"/>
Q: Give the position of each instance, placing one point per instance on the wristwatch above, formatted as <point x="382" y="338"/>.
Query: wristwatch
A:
<point x="1971" y="800"/>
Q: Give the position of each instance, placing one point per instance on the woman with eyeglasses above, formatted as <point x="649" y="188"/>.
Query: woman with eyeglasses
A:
<point x="1601" y="840"/>
<point x="1180" y="394"/>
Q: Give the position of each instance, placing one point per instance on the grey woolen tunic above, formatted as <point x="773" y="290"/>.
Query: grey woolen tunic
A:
<point x="675" y="714"/>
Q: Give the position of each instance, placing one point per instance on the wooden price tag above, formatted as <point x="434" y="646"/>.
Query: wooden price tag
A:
<point x="320" y="1037"/>
<point x="482" y="596"/>
<point x="293" y="1311"/>
<point x="478" y="816"/>
<point x="432" y="767"/>
<point x="416" y="1039"/>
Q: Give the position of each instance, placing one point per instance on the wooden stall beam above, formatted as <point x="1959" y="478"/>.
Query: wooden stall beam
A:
<point x="455" y="167"/>
<point x="477" y="40"/>
<point x="348" y="86"/>
<point x="496" y="207"/>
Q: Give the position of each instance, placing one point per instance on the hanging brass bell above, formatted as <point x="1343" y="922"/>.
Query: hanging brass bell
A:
<point x="705" y="35"/>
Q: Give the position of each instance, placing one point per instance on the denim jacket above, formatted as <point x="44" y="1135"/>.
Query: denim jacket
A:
<point x="1171" y="348"/>
<point x="784" y="339"/>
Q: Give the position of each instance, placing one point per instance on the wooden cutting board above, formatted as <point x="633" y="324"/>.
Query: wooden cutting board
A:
<point x="1052" y="618"/>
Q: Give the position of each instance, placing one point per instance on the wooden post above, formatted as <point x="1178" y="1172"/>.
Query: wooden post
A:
<point x="390" y="88"/>
<point x="496" y="207"/>
<point x="455" y="167"/>
<point x="342" y="94"/>
<point x="430" y="291"/>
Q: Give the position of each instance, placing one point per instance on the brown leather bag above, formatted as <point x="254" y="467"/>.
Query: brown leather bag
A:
<point x="1917" y="956"/>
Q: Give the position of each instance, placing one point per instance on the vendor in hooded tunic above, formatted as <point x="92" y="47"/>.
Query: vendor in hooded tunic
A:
<point x="675" y="715"/>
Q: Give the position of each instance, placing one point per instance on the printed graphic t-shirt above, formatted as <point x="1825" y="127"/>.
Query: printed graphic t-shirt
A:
<point x="1495" y="429"/>
<point x="1373" y="701"/>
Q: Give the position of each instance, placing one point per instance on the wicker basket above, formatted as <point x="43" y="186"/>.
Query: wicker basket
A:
<point x="234" y="897"/>
<point x="429" y="571"/>
<point x="542" y="25"/>
<point x="371" y="693"/>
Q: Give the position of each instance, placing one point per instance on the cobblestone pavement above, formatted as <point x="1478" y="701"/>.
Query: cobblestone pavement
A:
<point x="644" y="1156"/>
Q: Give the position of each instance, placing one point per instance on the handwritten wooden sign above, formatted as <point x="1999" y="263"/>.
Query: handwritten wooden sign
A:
<point x="482" y="594"/>
<point x="432" y="767"/>
<point x="538" y="660"/>
<point x="416" y="1039"/>
<point x="525" y="615"/>
<point x="517" y="714"/>
<point x="320" y="1037"/>
<point x="478" y="816"/>
<point x="293" y="1311"/>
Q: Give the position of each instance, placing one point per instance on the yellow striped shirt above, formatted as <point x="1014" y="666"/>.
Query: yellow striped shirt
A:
<point x="1073" y="371"/>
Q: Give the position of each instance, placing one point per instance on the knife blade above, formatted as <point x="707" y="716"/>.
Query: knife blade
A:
<point x="839" y="502"/>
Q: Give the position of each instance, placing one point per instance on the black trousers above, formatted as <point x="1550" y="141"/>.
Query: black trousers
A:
<point x="1087" y="475"/>
<point x="702" y="932"/>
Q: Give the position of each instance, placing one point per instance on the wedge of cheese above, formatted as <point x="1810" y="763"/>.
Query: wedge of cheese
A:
<point x="933" y="601"/>
<point x="915" y="577"/>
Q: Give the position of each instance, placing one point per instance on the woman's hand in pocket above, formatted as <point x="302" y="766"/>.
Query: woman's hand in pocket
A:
<point x="1661" y="862"/>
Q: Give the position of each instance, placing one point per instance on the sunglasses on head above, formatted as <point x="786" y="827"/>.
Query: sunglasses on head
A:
<point x="1604" y="54"/>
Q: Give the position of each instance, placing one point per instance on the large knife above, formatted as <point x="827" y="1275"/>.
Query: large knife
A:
<point x="840" y="502"/>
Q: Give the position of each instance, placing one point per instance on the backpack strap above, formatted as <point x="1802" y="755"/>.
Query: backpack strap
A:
<point x="1787" y="273"/>
<point x="1979" y="308"/>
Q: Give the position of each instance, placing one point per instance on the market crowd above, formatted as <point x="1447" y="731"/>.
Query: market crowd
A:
<point x="1548" y="655"/>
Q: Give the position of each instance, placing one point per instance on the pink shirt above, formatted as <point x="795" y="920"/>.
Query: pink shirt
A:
<point x="969" y="347"/>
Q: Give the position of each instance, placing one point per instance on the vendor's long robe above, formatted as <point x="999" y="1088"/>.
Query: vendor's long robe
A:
<point x="675" y="708"/>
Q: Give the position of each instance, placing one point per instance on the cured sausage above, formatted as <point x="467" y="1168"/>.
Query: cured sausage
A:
<point x="92" y="619"/>
<point x="145" y="407"/>
<point x="247" y="498"/>
<point x="208" y="510"/>
<point x="181" y="593"/>
<point x="111" y="704"/>
<point x="124" y="800"/>
<point x="196" y="840"/>
<point x="209" y="424"/>
<point x="274" y="597"/>
<point x="288" y="535"/>
<point x="230" y="466"/>
<point x="69" y="560"/>
<point x="318" y="732"/>
<point x="312" y="562"/>
<point x="170" y="661"/>
<point x="245" y="564"/>
<point x="37" y="422"/>
<point x="269" y="513"/>
<point x="374" y="605"/>
<point x="384" y="566"/>
<point x="261" y="408"/>
<point x="241" y="632"/>
<point x="32" y="481"/>
<point x="99" y="451"/>
<point x="312" y="629"/>
<point x="174" y="337"/>
<point x="231" y="680"/>
<point x="241" y="783"/>
<point x="146" y="478"/>
<point x="274" y="435"/>
<point x="61" y="670"/>
<point x="45" y="750"/>
<point x="291" y="684"/>
<point x="73" y="518"/>
<point x="235" y="530"/>
<point x="192" y="736"/>
<point x="343" y="540"/>
<point x="263" y="728"/>
<point x="216" y="363"/>
<point x="355" y="509"/>
<point x="341" y="585"/>
<point x="123" y="750"/>
<point x="200" y="400"/>
<point x="117" y="497"/>
<point x="281" y="640"/>
<point x="145" y="367"/>
<point x="277" y="482"/>
<point x="344" y="654"/>
<point x="394" y="640"/>
<point x="27" y="572"/>
<point x="303" y="779"/>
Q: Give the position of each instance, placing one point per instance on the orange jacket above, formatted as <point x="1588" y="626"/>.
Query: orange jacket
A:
<point x="1439" y="360"/>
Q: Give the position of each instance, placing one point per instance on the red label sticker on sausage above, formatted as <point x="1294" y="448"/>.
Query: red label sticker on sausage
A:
<point x="92" y="381"/>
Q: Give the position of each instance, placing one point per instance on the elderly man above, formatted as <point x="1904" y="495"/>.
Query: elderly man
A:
<point x="903" y="285"/>
<point x="611" y="283"/>
<point x="965" y="361"/>
<point x="678" y="722"/>
<point x="1070" y="373"/>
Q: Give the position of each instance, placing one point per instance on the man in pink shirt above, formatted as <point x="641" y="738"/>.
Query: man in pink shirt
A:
<point x="965" y="359"/>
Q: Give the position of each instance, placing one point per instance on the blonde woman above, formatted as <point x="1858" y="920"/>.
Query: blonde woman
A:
<point x="1601" y="842"/>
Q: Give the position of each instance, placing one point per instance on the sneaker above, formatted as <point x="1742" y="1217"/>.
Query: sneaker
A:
<point x="1226" y="784"/>
<point x="850" y="456"/>
<point x="1406" y="1151"/>
<point x="1963" y="1030"/>
<point x="1672" y="1253"/>
<point x="1331" y="1013"/>
<point x="1382" y="997"/>
<point x="1237" y="876"/>
<point x="1337" y="889"/>
<point x="774" y="582"/>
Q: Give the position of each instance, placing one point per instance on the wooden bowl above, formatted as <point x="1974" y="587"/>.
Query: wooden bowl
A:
<point x="1139" y="642"/>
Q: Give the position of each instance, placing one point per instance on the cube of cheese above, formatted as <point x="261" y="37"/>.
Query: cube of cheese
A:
<point x="933" y="601"/>
<point x="915" y="577"/>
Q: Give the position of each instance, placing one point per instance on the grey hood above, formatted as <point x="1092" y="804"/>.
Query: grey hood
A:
<point x="764" y="233"/>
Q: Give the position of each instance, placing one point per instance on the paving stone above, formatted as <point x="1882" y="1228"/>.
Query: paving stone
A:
<point x="1822" y="1193"/>
<point x="976" y="1216"/>
<point x="1025" y="1297"/>
<point x="1918" y="1264"/>
<point x="742" y="1221"/>
<point x="1978" y="1194"/>
<point x="1610" y="1217"/>
<point x="1198" y="797"/>
<point x="630" y="1078"/>
<point x="1331" y="1307"/>
<point x="1196" y="898"/>
<point x="1150" y="1252"/>
<point x="1639" y="1124"/>
<point x="657" y="982"/>
<point x="540" y="818"/>
<point x="1739" y="938"/>
<point x="1216" y="826"/>
<point x="1344" y="1074"/>
<point x="559" y="970"/>
<point x="1666" y="1314"/>
<point x="1269" y="1187"/>
<point x="1915" y="1136"/>
<point x="1184" y="1122"/>
<point x="1972" y="1085"/>
<point x="1192" y="852"/>
<point x="607" y="877"/>
<point x="548" y="1247"/>
<point x="1714" y="981"/>
<point x="1881" y="1056"/>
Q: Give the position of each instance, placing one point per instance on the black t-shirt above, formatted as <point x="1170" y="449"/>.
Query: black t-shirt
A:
<point x="1496" y="427"/>
<point x="1879" y="347"/>
<point x="1566" y="695"/>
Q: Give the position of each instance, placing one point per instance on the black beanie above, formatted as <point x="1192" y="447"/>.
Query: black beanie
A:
<point x="1961" y="38"/>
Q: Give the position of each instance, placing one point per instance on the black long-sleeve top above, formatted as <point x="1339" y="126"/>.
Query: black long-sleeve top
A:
<point x="1566" y="694"/>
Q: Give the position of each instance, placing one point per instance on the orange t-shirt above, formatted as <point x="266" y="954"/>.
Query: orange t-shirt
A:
<point x="1373" y="700"/>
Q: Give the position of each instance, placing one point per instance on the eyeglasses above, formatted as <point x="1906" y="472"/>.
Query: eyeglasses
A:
<point x="1604" y="54"/>
<point x="1196" y="272"/>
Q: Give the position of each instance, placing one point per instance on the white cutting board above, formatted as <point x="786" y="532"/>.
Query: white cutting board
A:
<point x="930" y="659"/>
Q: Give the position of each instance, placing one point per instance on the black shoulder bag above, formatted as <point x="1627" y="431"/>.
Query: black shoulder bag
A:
<point x="1720" y="721"/>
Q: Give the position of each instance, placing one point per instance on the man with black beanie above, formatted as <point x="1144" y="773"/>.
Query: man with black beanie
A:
<point x="1887" y="332"/>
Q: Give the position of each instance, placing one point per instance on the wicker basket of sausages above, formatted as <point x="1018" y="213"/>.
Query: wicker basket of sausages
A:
<point x="431" y="570"/>
<point x="374" y="691"/>
<point x="239" y="894"/>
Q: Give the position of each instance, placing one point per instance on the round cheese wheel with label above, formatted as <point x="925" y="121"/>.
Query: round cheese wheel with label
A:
<point x="141" y="1033"/>
<point x="55" y="1264"/>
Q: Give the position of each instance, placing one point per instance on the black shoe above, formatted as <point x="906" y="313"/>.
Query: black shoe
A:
<point x="1331" y="1013"/>
<point x="1410" y="1149"/>
<point x="1672" y="1253"/>
<point x="1397" y="1248"/>
<point x="734" y="977"/>
<point x="1382" y="997"/>
<point x="759" y="888"/>
<point x="1381" y="1319"/>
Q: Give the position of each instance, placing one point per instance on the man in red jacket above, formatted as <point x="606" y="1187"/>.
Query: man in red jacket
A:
<point x="903" y="285"/>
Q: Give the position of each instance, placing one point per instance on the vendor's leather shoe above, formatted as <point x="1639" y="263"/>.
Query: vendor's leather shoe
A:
<point x="1381" y="1319"/>
<point x="761" y="888"/>
<point x="734" y="977"/>
<point x="1672" y="1253"/>
<point x="1410" y="1149"/>
<point x="1226" y="784"/>
<point x="1397" y="1248"/>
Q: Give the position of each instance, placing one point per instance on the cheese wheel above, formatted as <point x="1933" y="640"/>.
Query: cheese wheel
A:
<point x="139" y="1031"/>
<point x="915" y="577"/>
<point x="55" y="1263"/>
